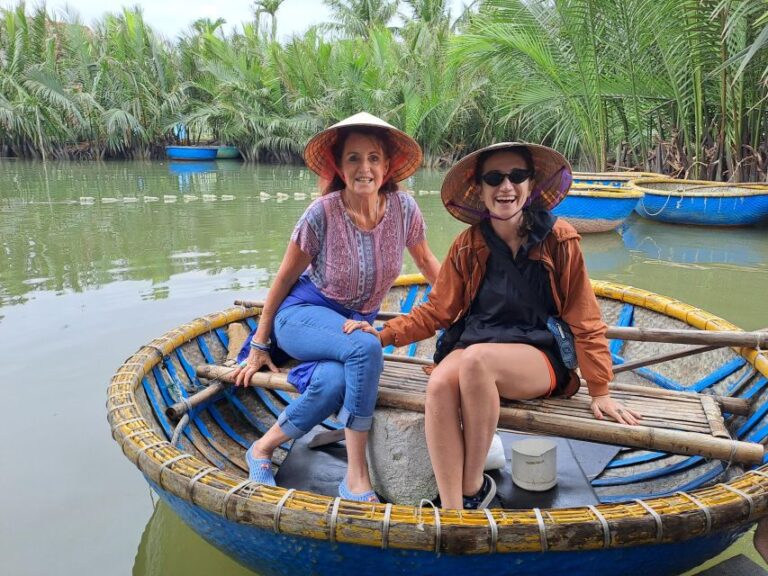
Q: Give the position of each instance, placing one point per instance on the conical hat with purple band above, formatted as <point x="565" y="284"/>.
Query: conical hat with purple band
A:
<point x="551" y="182"/>
<point x="406" y="155"/>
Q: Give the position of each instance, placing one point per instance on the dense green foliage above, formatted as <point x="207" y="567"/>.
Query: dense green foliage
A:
<point x="678" y="86"/>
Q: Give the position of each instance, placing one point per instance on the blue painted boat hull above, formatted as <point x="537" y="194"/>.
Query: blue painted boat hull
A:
<point x="191" y="152"/>
<point x="595" y="213"/>
<point x="731" y="210"/>
<point x="268" y="553"/>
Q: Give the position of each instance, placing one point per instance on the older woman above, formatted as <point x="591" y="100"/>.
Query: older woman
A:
<point x="345" y="252"/>
<point x="503" y="279"/>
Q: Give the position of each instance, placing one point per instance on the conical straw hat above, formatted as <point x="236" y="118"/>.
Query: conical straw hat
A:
<point x="551" y="181"/>
<point x="406" y="155"/>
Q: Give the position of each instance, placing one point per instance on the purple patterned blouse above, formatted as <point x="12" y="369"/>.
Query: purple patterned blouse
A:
<point x="356" y="267"/>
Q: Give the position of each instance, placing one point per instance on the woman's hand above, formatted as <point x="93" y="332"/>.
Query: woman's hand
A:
<point x="255" y="361"/>
<point x="352" y="325"/>
<point x="605" y="405"/>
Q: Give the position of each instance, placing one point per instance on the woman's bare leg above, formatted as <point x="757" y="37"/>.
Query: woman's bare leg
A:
<point x="272" y="438"/>
<point x="488" y="371"/>
<point x="358" y="480"/>
<point x="442" y="420"/>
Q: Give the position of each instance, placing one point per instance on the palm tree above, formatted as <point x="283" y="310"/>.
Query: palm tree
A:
<point x="268" y="7"/>
<point x="355" y="18"/>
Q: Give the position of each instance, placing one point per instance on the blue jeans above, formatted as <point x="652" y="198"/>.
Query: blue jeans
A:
<point x="347" y="376"/>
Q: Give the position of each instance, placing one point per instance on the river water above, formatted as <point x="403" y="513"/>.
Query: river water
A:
<point x="98" y="258"/>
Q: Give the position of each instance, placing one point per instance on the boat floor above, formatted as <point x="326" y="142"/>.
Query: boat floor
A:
<point x="320" y="470"/>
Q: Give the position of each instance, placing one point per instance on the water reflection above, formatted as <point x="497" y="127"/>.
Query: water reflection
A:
<point x="604" y="253"/>
<point x="168" y="546"/>
<point x="696" y="245"/>
<point x="79" y="226"/>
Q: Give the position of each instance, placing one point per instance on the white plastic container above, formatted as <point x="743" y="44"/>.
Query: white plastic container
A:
<point x="534" y="464"/>
<point x="495" y="459"/>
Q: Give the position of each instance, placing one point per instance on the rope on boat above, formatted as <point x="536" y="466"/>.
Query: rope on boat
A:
<point x="125" y="423"/>
<point x="759" y="473"/>
<point x="137" y="432"/>
<point x="660" y="210"/>
<point x="334" y="517"/>
<point x="167" y="463"/>
<point x="231" y="492"/>
<point x="143" y="449"/>
<point x="494" y="530"/>
<point x="279" y="508"/>
<point x="385" y="526"/>
<point x="202" y="474"/>
<point x="704" y="508"/>
<point x="747" y="497"/>
<point x="438" y="527"/>
<point x="154" y="348"/>
<point x="731" y="455"/>
<point x="656" y="517"/>
<point x="604" y="522"/>
<point x="118" y="407"/>
<point x="179" y="429"/>
<point x="542" y="529"/>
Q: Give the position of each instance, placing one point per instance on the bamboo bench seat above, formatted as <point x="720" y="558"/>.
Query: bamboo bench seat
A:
<point x="677" y="422"/>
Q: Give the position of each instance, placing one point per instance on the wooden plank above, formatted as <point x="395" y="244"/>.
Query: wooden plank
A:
<point x="714" y="417"/>
<point x="518" y="417"/>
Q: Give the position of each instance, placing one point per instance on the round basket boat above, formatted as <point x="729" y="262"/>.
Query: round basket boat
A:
<point x="657" y="513"/>
<point x="609" y="179"/>
<point x="702" y="202"/>
<point x="592" y="208"/>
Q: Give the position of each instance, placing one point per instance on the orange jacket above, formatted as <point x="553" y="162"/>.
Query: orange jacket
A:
<point x="459" y="280"/>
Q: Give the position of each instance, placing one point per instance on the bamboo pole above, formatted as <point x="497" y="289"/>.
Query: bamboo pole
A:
<point x="634" y="364"/>
<point x="665" y="335"/>
<point x="514" y="418"/>
<point x="736" y="406"/>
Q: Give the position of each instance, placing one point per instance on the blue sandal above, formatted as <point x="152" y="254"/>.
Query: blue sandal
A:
<point x="347" y="494"/>
<point x="260" y="469"/>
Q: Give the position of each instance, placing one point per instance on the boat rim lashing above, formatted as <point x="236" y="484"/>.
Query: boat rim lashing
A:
<point x="727" y="505"/>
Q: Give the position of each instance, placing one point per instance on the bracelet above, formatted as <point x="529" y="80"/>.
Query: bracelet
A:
<point x="261" y="347"/>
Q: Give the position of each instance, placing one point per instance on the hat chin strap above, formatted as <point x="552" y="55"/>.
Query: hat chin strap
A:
<point x="494" y="217"/>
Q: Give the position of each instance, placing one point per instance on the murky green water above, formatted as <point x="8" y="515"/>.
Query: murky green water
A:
<point x="97" y="259"/>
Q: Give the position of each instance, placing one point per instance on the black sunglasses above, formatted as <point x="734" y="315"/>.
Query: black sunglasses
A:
<point x="515" y="176"/>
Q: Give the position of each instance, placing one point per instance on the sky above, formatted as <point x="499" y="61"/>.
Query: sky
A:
<point x="172" y="17"/>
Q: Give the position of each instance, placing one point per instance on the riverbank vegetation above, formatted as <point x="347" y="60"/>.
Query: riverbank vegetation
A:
<point x="674" y="86"/>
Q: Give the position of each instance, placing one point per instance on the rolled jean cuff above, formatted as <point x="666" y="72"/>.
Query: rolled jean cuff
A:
<point x="288" y="428"/>
<point x="356" y="423"/>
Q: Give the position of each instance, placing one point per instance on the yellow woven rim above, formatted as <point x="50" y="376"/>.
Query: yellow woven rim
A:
<point x="595" y="191"/>
<point x="645" y="185"/>
<point x="533" y="530"/>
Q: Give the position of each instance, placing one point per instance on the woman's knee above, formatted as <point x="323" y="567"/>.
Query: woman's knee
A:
<point x="441" y="386"/>
<point x="474" y="361"/>
<point x="367" y="349"/>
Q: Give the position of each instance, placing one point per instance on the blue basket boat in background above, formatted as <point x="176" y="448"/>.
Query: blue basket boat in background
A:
<point x="191" y="152"/>
<point x="597" y="208"/>
<point x="609" y="179"/>
<point x="702" y="203"/>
